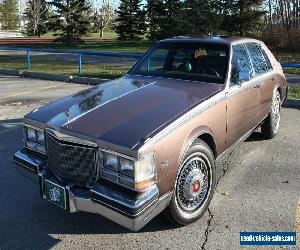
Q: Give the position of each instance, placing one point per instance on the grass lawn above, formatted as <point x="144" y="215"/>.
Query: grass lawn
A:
<point x="294" y="92"/>
<point x="110" y="43"/>
<point x="64" y="68"/>
<point x="292" y="71"/>
<point x="287" y="56"/>
<point x="102" y="45"/>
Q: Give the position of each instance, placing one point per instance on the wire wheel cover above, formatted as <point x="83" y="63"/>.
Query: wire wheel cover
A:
<point x="193" y="182"/>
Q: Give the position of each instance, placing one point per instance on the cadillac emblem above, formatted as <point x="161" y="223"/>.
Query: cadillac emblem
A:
<point x="54" y="194"/>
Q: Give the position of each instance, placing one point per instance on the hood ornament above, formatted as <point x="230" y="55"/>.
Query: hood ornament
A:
<point x="67" y="114"/>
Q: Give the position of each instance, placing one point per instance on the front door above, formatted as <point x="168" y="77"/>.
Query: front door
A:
<point x="243" y="97"/>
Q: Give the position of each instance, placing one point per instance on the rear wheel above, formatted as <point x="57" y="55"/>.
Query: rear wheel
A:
<point x="194" y="185"/>
<point x="271" y="125"/>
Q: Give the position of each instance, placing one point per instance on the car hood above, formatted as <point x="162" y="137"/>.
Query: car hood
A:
<point x="123" y="112"/>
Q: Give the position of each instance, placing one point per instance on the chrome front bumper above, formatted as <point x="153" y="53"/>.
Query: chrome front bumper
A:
<point x="103" y="200"/>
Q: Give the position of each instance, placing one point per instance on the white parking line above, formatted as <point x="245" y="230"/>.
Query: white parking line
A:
<point x="30" y="91"/>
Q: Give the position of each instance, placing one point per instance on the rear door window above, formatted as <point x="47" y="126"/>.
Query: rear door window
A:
<point x="259" y="63"/>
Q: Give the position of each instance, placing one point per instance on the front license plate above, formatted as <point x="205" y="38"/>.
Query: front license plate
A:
<point x="55" y="194"/>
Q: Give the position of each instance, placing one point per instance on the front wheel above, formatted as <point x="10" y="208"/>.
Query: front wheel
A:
<point x="270" y="126"/>
<point x="194" y="185"/>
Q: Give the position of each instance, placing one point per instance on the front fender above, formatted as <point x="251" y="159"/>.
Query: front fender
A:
<point x="193" y="135"/>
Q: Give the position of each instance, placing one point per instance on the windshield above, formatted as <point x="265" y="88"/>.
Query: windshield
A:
<point x="188" y="61"/>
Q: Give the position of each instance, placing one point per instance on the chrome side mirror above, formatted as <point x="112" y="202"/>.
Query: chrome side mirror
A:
<point x="244" y="75"/>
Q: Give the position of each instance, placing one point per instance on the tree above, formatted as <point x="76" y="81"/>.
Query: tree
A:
<point x="103" y="16"/>
<point x="201" y="17"/>
<point x="37" y="16"/>
<point x="70" y="20"/>
<point x="244" y="16"/>
<point x="9" y="17"/>
<point x="131" y="20"/>
<point x="156" y="13"/>
<point x="173" y="22"/>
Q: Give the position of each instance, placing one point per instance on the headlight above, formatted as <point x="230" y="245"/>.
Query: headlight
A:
<point x="126" y="167"/>
<point x="40" y="137"/>
<point x="31" y="135"/>
<point x="34" y="139"/>
<point x="110" y="161"/>
<point x="137" y="175"/>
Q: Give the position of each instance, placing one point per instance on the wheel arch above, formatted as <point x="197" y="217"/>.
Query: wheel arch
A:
<point x="203" y="133"/>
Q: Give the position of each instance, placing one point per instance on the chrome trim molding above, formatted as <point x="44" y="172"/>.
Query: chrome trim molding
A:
<point x="234" y="89"/>
<point x="68" y="138"/>
<point x="147" y="205"/>
<point x="149" y="195"/>
<point x="30" y="160"/>
<point x="84" y="204"/>
<point x="238" y="142"/>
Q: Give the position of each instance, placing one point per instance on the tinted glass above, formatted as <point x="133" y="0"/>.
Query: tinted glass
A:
<point x="156" y="61"/>
<point x="240" y="62"/>
<point x="258" y="60"/>
<point x="267" y="60"/>
<point x="188" y="61"/>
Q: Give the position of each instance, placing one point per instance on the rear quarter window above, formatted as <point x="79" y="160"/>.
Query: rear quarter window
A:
<point x="258" y="60"/>
<point x="267" y="59"/>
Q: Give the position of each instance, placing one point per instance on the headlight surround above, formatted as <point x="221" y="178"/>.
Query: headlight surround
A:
<point x="34" y="139"/>
<point x="137" y="175"/>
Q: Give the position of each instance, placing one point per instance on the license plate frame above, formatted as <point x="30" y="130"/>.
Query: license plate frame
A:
<point x="55" y="194"/>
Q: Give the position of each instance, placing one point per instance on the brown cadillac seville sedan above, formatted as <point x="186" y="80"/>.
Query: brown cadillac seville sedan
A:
<point x="149" y="141"/>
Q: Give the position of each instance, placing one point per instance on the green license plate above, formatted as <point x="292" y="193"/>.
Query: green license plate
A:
<point x="55" y="194"/>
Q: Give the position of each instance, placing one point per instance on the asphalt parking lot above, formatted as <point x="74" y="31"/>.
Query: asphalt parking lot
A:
<point x="258" y="190"/>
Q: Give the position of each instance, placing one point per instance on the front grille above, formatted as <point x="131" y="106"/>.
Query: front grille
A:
<point x="71" y="163"/>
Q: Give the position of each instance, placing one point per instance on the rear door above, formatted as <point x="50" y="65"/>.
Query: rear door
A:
<point x="264" y="77"/>
<point x="243" y="97"/>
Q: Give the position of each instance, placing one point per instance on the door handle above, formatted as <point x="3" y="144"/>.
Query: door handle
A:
<point x="257" y="86"/>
